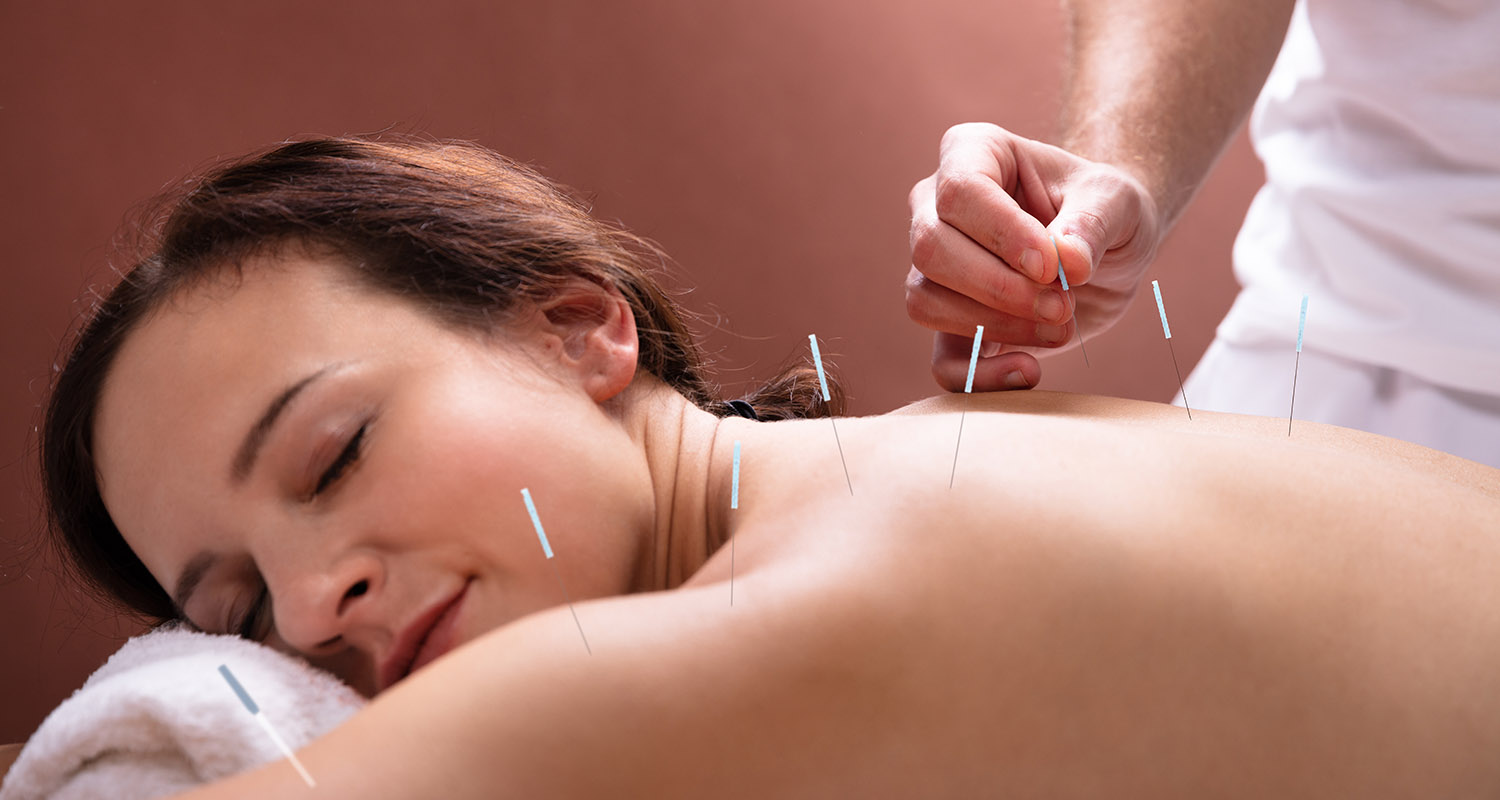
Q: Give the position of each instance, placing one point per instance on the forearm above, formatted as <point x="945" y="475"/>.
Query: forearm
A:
<point x="1158" y="87"/>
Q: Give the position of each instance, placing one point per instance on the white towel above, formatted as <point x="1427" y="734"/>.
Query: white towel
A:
<point x="158" y="718"/>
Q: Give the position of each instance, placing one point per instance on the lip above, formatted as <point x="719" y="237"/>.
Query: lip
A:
<point x="428" y="636"/>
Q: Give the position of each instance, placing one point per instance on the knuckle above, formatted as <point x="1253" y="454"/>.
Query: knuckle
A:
<point x="1101" y="179"/>
<point x="917" y="306"/>
<point x="999" y="293"/>
<point x="1131" y="195"/>
<point x="1091" y="224"/>
<point x="1115" y="186"/>
<point x="919" y="190"/>
<point x="998" y="241"/>
<point x="969" y="130"/>
<point x="915" y="281"/>
<point x="959" y="131"/>
<point x="924" y="242"/>
<point x="953" y="192"/>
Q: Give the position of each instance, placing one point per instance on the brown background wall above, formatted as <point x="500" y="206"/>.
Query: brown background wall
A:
<point x="767" y="145"/>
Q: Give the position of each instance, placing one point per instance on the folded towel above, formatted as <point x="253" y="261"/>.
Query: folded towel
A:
<point x="158" y="718"/>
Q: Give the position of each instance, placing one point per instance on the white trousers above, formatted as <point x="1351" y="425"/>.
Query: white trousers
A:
<point x="1257" y="379"/>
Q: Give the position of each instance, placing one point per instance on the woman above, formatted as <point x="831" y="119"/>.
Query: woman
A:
<point x="309" y="413"/>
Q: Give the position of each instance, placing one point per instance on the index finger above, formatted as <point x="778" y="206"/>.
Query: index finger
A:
<point x="971" y="197"/>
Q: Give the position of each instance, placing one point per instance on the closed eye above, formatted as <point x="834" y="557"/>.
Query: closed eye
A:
<point x="349" y="455"/>
<point x="250" y="628"/>
<point x="255" y="619"/>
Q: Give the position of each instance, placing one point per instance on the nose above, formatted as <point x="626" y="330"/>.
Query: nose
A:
<point x="333" y="604"/>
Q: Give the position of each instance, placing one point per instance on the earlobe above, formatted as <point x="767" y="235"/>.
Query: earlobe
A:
<point x="596" y="328"/>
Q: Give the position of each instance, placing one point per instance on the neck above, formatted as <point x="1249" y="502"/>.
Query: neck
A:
<point x="689" y="458"/>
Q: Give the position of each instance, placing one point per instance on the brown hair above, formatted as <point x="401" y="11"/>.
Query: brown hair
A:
<point x="462" y="232"/>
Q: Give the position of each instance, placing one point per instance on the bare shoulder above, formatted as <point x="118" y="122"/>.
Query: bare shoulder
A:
<point x="672" y="696"/>
<point x="1063" y="406"/>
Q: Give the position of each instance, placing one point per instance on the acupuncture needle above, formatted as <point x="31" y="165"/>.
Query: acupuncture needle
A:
<point x="734" y="504"/>
<point x="1167" y="331"/>
<point x="968" y="389"/>
<point x="254" y="710"/>
<point x="823" y="382"/>
<point x="536" y="522"/>
<point x="1301" y="324"/>
<point x="1064" y="277"/>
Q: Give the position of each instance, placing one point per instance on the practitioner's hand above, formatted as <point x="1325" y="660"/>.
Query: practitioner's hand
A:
<point x="981" y="255"/>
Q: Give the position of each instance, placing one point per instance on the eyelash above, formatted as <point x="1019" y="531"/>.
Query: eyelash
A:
<point x="350" y="454"/>
<point x="247" y="629"/>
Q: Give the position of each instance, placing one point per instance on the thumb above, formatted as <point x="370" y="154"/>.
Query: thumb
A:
<point x="1095" y="217"/>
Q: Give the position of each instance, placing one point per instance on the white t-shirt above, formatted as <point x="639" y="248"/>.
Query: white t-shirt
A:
<point x="1379" y="127"/>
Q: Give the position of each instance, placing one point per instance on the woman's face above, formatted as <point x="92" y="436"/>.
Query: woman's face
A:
<point x="327" y="469"/>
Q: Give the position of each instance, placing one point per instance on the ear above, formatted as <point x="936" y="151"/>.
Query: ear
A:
<point x="590" y="329"/>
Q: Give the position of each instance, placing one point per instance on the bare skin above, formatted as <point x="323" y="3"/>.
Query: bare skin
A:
<point x="1153" y="92"/>
<point x="328" y="548"/>
<point x="1158" y="88"/>
<point x="1111" y="601"/>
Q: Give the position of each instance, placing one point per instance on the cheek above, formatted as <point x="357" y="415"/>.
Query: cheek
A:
<point x="467" y="451"/>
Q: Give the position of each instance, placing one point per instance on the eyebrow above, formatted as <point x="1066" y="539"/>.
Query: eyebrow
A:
<point x="244" y="459"/>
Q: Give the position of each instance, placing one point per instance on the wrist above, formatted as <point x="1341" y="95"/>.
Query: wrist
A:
<point x="1105" y="141"/>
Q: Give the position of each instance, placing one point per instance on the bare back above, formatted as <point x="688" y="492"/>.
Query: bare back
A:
<point x="1115" y="600"/>
<point x="1109" y="601"/>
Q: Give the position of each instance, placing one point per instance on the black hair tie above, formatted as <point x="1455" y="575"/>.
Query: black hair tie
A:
<point x="743" y="409"/>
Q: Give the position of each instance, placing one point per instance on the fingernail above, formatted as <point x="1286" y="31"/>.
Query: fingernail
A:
<point x="1015" y="380"/>
<point x="1051" y="334"/>
<point x="1050" y="305"/>
<point x="1031" y="264"/>
<point x="989" y="349"/>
